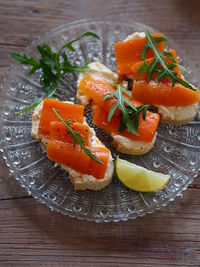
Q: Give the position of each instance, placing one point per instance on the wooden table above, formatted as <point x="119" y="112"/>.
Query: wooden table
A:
<point x="32" y="235"/>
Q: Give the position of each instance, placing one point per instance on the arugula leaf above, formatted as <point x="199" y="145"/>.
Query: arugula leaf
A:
<point x="129" y="112"/>
<point x="69" y="45"/>
<point x="167" y="69"/>
<point x="21" y="111"/>
<point x="53" y="65"/>
<point x="23" y="59"/>
<point x="67" y="67"/>
<point x="76" y="137"/>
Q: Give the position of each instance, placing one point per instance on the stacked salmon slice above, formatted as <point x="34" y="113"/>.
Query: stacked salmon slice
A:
<point x="85" y="173"/>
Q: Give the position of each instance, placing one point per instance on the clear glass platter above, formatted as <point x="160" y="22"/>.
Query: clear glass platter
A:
<point x="176" y="151"/>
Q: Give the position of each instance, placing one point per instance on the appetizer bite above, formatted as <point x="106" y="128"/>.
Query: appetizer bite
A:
<point x="70" y="142"/>
<point x="156" y="75"/>
<point x="132" y="127"/>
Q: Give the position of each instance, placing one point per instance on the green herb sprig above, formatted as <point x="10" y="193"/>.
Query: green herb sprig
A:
<point x="76" y="137"/>
<point x="166" y="70"/>
<point x="129" y="112"/>
<point x="69" y="45"/>
<point x="134" y="115"/>
<point x="53" y="64"/>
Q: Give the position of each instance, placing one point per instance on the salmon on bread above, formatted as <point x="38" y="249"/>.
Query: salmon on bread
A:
<point x="84" y="172"/>
<point x="93" y="88"/>
<point x="176" y="104"/>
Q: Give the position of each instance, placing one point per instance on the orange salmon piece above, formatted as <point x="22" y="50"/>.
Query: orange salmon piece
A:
<point x="164" y="94"/>
<point x="96" y="89"/>
<point x="136" y="65"/>
<point x="68" y="111"/>
<point x="75" y="158"/>
<point x="58" y="131"/>
<point x="146" y="129"/>
<point x="95" y="169"/>
<point x="65" y="154"/>
<point x="176" y="69"/>
<point x="129" y="52"/>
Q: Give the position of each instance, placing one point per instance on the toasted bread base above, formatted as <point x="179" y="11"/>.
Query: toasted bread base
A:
<point x="177" y="115"/>
<point x="80" y="181"/>
<point x="169" y="121"/>
<point x="83" y="182"/>
<point x="131" y="151"/>
<point x="91" y="184"/>
<point x="136" y="148"/>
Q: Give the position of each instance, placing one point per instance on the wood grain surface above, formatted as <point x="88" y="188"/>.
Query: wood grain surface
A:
<point x="31" y="234"/>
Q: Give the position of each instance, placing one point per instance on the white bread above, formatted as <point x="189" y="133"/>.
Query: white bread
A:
<point x="128" y="146"/>
<point x="177" y="115"/>
<point x="121" y="144"/>
<point x="80" y="181"/>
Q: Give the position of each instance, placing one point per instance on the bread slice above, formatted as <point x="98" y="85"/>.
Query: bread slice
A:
<point x="79" y="180"/>
<point x="177" y="115"/>
<point x="128" y="146"/>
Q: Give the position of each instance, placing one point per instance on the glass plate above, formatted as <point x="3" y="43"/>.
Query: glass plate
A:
<point x="177" y="149"/>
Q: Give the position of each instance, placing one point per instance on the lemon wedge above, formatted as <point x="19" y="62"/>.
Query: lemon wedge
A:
<point x="138" y="178"/>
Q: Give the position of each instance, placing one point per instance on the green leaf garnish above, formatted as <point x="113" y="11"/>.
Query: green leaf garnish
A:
<point x="69" y="45"/>
<point x="21" y="111"/>
<point x="36" y="102"/>
<point x="76" y="137"/>
<point x="135" y="116"/>
<point x="53" y="65"/>
<point x="23" y="59"/>
<point x="129" y="112"/>
<point x="166" y="69"/>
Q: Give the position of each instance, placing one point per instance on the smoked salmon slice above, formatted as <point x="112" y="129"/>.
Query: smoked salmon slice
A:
<point x="95" y="169"/>
<point x="97" y="89"/>
<point x="68" y="111"/>
<point x="146" y="129"/>
<point x="58" y="131"/>
<point x="75" y="158"/>
<point x="163" y="93"/>
<point x="136" y="74"/>
<point x="129" y="52"/>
